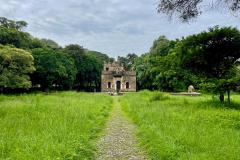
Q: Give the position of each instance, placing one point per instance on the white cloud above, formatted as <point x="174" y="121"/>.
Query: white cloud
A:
<point x="115" y="27"/>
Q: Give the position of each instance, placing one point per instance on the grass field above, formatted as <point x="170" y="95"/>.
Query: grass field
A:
<point x="67" y="125"/>
<point x="179" y="127"/>
<point x="56" y="126"/>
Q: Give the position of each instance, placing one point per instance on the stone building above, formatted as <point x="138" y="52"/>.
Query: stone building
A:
<point x="115" y="78"/>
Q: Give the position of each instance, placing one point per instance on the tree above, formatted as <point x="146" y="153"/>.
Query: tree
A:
<point x="161" y="46"/>
<point x="188" y="9"/>
<point x="11" y="33"/>
<point x="78" y="54"/>
<point x="19" y="39"/>
<point x="127" y="61"/>
<point x="92" y="72"/>
<point x="142" y="66"/>
<point x="54" y="69"/>
<point x="102" y="57"/>
<point x="165" y="71"/>
<point x="13" y="37"/>
<point x="212" y="56"/>
<point x="18" y="25"/>
<point x="96" y="60"/>
<point x="89" y="66"/>
<point x="15" y="67"/>
<point x="50" y="43"/>
<point x="33" y="42"/>
<point x="159" y="69"/>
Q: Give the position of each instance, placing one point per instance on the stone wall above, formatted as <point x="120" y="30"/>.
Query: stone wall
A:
<point x="125" y="77"/>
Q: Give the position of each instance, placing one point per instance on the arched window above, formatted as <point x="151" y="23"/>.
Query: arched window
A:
<point x="127" y="85"/>
<point x="107" y="69"/>
<point x="109" y="85"/>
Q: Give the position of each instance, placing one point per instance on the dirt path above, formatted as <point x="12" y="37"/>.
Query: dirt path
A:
<point x="119" y="141"/>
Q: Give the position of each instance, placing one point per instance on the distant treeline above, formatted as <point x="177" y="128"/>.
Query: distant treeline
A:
<point x="209" y="61"/>
<point x="29" y="63"/>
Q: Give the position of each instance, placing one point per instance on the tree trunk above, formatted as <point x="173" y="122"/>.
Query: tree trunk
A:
<point x="228" y="92"/>
<point x="221" y="97"/>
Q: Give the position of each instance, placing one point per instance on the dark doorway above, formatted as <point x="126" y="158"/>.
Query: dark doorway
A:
<point x="109" y="85"/>
<point x="127" y="85"/>
<point x="118" y="86"/>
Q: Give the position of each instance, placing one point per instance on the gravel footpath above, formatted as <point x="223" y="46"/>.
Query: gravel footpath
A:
<point x="119" y="141"/>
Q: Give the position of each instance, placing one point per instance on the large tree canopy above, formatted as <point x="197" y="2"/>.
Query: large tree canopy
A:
<point x="89" y="66"/>
<point x="15" y="67"/>
<point x="206" y="60"/>
<point x="188" y="9"/>
<point x="19" y="39"/>
<point x="212" y="53"/>
<point x="212" y="56"/>
<point x="54" y="69"/>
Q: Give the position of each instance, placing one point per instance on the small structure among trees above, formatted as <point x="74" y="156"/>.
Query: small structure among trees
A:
<point x="190" y="89"/>
<point x="116" y="79"/>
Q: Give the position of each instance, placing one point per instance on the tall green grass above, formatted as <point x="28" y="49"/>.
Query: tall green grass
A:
<point x="56" y="126"/>
<point x="180" y="127"/>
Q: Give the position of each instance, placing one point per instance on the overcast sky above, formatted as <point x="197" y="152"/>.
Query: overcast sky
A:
<point x="114" y="27"/>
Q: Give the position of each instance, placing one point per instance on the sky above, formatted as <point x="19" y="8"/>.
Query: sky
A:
<point x="113" y="27"/>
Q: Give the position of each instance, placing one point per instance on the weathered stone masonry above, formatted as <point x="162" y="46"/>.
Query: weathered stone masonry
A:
<point x="116" y="79"/>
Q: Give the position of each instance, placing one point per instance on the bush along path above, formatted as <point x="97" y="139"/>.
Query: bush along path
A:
<point x="119" y="141"/>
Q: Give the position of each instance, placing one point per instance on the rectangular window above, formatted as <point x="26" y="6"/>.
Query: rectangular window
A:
<point x="109" y="85"/>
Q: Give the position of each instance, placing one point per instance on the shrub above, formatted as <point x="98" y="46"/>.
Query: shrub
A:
<point x="158" y="96"/>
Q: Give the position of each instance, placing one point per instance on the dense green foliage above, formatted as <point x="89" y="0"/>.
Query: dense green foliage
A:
<point x="50" y="43"/>
<point x="18" y="39"/>
<point x="127" y="61"/>
<point x="56" y="126"/>
<point x="10" y="33"/>
<point x="180" y="127"/>
<point x="53" y="69"/>
<point x="56" y="67"/>
<point x="15" y="67"/>
<point x="89" y="66"/>
<point x="212" y="55"/>
<point x="206" y="60"/>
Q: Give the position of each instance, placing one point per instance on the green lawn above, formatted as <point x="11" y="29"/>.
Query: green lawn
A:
<point x="180" y="127"/>
<point x="57" y="126"/>
<point x="66" y="125"/>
